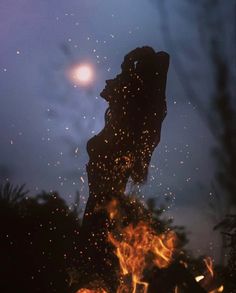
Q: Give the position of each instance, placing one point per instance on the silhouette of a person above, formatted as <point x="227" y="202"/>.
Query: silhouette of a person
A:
<point x="132" y="129"/>
<point x="123" y="149"/>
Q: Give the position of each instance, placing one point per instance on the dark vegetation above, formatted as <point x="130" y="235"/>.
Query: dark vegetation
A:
<point x="38" y="236"/>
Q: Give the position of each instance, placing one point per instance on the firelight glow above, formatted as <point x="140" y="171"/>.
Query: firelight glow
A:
<point x="82" y="74"/>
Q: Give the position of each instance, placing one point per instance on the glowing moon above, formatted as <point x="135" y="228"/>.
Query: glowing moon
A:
<point x="82" y="74"/>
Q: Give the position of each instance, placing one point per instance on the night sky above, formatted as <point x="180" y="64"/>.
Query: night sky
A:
<point x="46" y="119"/>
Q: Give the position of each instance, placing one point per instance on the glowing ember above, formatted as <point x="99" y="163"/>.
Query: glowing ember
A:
<point x="82" y="74"/>
<point x="221" y="288"/>
<point x="136" y="243"/>
<point x="199" y="278"/>
<point x="91" y="291"/>
<point x="112" y="208"/>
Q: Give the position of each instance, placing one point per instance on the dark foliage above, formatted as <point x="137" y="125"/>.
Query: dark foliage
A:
<point x="228" y="228"/>
<point x="39" y="239"/>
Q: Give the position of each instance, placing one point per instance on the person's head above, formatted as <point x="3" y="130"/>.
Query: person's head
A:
<point x="143" y="69"/>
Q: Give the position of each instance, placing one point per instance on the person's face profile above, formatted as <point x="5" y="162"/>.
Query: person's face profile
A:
<point x="110" y="89"/>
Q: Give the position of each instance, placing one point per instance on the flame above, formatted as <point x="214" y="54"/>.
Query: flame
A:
<point x="220" y="289"/>
<point x="138" y="247"/>
<point x="209" y="265"/>
<point x="112" y="209"/>
<point x="210" y="275"/>
<point x="135" y="243"/>
<point x="84" y="290"/>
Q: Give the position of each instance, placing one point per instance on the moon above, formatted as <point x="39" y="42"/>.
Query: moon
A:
<point x="82" y="74"/>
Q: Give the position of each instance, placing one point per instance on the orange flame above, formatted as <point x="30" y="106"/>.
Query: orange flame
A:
<point x="133" y="248"/>
<point x="209" y="265"/>
<point x="112" y="208"/>
<point x="139" y="247"/>
<point x="220" y="289"/>
<point x="209" y="276"/>
<point x="84" y="290"/>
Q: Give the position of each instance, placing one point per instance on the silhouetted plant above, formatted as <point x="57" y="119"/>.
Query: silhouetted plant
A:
<point x="39" y="241"/>
<point x="12" y="194"/>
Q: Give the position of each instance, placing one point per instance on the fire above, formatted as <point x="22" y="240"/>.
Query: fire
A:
<point x="199" y="278"/>
<point x="221" y="288"/>
<point x="84" y="290"/>
<point x="112" y="209"/>
<point x="133" y="246"/>
<point x="209" y="265"/>
<point x="139" y="248"/>
<point x="209" y="276"/>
